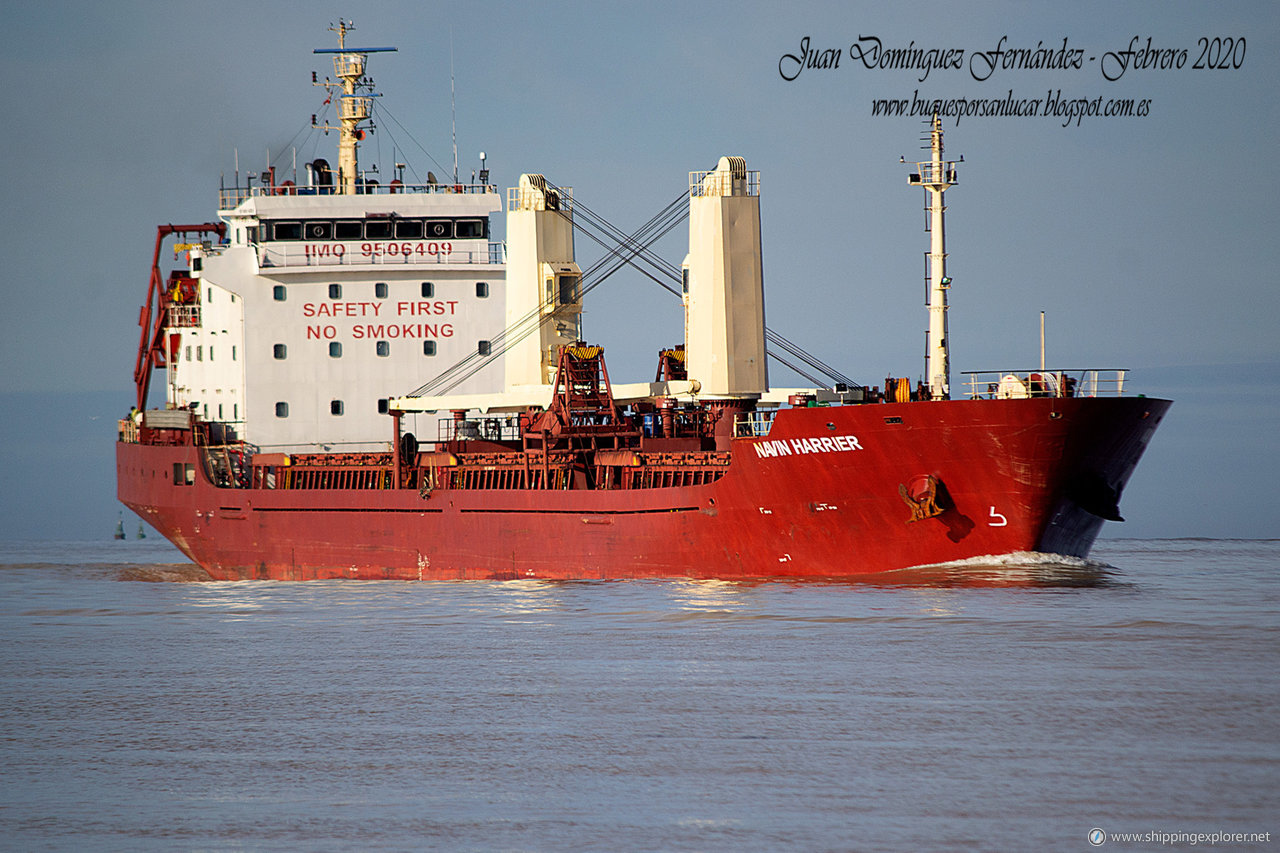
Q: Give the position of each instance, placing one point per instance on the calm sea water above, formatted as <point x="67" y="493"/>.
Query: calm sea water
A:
<point x="1010" y="706"/>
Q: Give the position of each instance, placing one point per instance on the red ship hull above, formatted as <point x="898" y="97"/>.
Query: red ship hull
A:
<point x="1013" y="475"/>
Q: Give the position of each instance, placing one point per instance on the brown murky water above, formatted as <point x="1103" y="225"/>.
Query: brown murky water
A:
<point x="1008" y="706"/>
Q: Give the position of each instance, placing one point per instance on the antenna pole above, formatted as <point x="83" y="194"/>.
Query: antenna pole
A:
<point x="453" y="112"/>
<point x="936" y="176"/>
<point x="355" y="102"/>
<point x="1042" y="342"/>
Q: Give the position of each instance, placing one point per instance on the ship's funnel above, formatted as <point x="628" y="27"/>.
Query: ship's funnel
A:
<point x="724" y="283"/>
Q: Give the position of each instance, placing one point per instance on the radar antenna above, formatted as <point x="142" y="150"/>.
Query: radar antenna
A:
<point x="355" y="101"/>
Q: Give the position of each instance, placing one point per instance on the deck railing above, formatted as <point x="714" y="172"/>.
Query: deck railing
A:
<point x="230" y="198"/>
<point x="183" y="316"/>
<point x="478" y="429"/>
<point x="380" y="253"/>
<point x="754" y="424"/>
<point x="1019" y="384"/>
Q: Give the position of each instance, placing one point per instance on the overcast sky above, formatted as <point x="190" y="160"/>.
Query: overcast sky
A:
<point x="1148" y="239"/>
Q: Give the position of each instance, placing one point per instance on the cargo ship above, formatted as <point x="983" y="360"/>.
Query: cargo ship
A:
<point x="290" y="446"/>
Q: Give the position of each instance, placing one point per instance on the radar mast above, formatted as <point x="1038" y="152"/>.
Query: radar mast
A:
<point x="936" y="176"/>
<point x="355" y="101"/>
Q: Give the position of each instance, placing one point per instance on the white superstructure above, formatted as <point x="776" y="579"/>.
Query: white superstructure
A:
<point x="326" y="299"/>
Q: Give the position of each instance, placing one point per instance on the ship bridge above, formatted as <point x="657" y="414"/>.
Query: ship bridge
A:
<point x="298" y="229"/>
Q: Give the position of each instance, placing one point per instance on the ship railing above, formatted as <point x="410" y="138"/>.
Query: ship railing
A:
<point x="1020" y="384"/>
<point x="403" y="252"/>
<point x="755" y="424"/>
<point x="931" y="173"/>
<point x="230" y="198"/>
<point x="478" y="429"/>
<point x="718" y="183"/>
<point x="183" y="316"/>
<point x="534" y="197"/>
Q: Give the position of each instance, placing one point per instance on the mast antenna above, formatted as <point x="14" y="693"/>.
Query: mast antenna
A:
<point x="355" y="101"/>
<point x="453" y="111"/>
<point x="936" y="176"/>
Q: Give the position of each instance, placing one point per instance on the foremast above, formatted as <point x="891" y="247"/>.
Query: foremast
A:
<point x="355" y="102"/>
<point x="937" y="176"/>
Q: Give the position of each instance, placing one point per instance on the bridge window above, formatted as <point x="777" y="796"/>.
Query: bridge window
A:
<point x="568" y="289"/>
<point x="439" y="229"/>
<point x="428" y="290"/>
<point x="282" y="410"/>
<point x="377" y="229"/>
<point x="348" y="229"/>
<point x="280" y="351"/>
<point x="319" y="230"/>
<point x="409" y="229"/>
<point x="380" y="290"/>
<point x="428" y="347"/>
<point x="286" y="230"/>
<point x="470" y="229"/>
